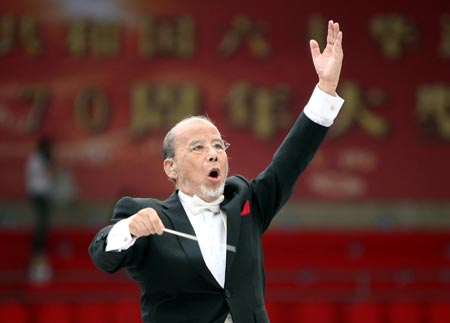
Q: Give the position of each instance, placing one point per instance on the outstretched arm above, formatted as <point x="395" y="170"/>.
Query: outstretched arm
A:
<point x="274" y="186"/>
<point x="328" y="64"/>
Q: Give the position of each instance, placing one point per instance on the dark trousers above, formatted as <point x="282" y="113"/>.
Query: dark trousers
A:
<point x="41" y="208"/>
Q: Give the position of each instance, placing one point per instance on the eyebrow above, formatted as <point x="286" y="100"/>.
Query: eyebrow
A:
<point x="196" y="141"/>
<point x="200" y="141"/>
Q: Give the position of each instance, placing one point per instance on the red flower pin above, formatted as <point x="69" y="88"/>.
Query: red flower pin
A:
<point x="246" y="208"/>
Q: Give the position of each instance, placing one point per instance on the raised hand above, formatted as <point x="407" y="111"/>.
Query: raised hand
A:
<point x="328" y="64"/>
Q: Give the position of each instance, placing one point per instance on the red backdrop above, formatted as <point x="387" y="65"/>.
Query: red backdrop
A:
<point x="108" y="80"/>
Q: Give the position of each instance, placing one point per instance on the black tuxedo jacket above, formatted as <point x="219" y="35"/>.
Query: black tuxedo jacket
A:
<point x="175" y="282"/>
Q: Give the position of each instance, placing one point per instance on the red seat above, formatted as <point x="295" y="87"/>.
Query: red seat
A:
<point x="13" y="312"/>
<point x="92" y="312"/>
<point x="405" y="312"/>
<point x="363" y="312"/>
<point x="315" y="312"/>
<point x="438" y="312"/>
<point x="125" y="312"/>
<point x="275" y="311"/>
<point x="53" y="312"/>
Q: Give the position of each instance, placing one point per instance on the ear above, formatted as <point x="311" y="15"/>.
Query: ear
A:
<point x="170" y="168"/>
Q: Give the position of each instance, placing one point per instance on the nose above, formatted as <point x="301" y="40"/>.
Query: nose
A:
<point x="212" y="155"/>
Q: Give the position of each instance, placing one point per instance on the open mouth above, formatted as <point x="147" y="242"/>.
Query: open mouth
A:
<point x="214" y="174"/>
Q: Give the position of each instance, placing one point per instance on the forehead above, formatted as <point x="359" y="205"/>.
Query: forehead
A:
<point x="196" y="129"/>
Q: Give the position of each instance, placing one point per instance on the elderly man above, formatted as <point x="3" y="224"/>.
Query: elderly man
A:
<point x="197" y="256"/>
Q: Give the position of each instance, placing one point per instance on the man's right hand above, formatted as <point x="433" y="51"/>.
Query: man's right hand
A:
<point x="145" y="222"/>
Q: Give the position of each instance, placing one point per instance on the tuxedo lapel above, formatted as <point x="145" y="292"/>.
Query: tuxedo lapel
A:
<point x="176" y="214"/>
<point x="232" y="211"/>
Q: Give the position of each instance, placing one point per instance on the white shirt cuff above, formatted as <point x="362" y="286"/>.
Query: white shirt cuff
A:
<point x="323" y="108"/>
<point x="119" y="238"/>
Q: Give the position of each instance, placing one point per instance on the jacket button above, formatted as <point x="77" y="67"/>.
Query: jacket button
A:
<point x="227" y="293"/>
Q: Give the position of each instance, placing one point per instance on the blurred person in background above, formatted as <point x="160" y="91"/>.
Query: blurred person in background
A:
<point x="216" y="274"/>
<point x="40" y="172"/>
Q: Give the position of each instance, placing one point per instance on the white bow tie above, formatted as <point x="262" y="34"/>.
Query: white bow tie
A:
<point x="197" y="205"/>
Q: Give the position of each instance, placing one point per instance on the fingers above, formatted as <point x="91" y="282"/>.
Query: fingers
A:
<point x="330" y="34"/>
<point x="333" y="32"/>
<point x="334" y="36"/>
<point x="315" y="50"/>
<point x="339" y="38"/>
<point x="146" y="222"/>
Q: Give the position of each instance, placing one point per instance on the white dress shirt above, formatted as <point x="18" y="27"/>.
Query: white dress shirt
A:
<point x="211" y="231"/>
<point x="38" y="176"/>
<point x="210" y="228"/>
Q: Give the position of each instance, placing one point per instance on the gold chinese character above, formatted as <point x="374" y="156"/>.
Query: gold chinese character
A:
<point x="242" y="29"/>
<point x="7" y="26"/>
<point x="357" y="112"/>
<point x="162" y="37"/>
<point x="27" y="29"/>
<point x="101" y="39"/>
<point x="262" y="109"/>
<point x="393" y="33"/>
<point x="433" y="109"/>
<point x="29" y="35"/>
<point x="105" y="39"/>
<point x="77" y="38"/>
<point x="155" y="106"/>
<point x="444" y="47"/>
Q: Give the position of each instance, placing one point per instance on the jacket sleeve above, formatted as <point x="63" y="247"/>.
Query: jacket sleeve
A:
<point x="111" y="261"/>
<point x="274" y="186"/>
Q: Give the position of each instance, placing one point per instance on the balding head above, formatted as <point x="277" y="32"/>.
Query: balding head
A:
<point x="168" y="148"/>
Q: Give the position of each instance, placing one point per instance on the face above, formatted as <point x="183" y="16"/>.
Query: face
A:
<point x="200" y="166"/>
